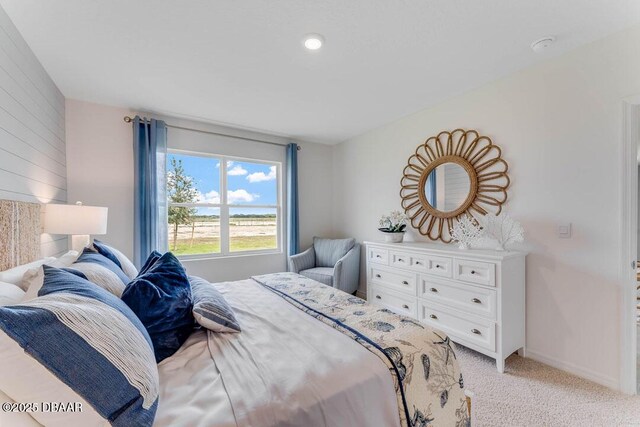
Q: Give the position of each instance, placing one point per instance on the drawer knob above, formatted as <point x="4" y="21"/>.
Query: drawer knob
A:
<point x="405" y="306"/>
<point x="378" y="256"/>
<point x="433" y="290"/>
<point x="378" y="297"/>
<point x="477" y="332"/>
<point x="473" y="272"/>
<point x="400" y="260"/>
<point x="476" y="300"/>
<point x="378" y="276"/>
<point x="404" y="282"/>
<point x="433" y="316"/>
<point x="418" y="263"/>
<point x="437" y="265"/>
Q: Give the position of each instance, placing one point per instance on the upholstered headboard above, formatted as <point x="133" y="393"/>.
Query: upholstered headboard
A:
<point x="20" y="231"/>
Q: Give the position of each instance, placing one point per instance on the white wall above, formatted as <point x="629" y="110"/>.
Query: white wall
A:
<point x="100" y="172"/>
<point x="100" y="166"/>
<point x="559" y="126"/>
<point x="32" y="133"/>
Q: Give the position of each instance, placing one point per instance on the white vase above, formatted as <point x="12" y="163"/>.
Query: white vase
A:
<point x="393" y="237"/>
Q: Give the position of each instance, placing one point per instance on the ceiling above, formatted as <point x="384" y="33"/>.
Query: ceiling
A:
<point x="242" y="63"/>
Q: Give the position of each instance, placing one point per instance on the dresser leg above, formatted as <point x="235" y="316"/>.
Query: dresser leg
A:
<point x="500" y="365"/>
<point x="522" y="352"/>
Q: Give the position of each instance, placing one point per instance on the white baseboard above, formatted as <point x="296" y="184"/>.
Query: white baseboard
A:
<point x="576" y="370"/>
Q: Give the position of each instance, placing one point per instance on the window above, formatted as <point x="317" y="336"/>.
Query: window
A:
<point x="220" y="205"/>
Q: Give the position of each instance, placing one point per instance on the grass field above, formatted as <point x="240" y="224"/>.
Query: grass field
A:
<point x="203" y="235"/>
<point x="237" y="244"/>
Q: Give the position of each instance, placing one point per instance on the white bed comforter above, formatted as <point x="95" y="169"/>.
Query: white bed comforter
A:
<point x="284" y="369"/>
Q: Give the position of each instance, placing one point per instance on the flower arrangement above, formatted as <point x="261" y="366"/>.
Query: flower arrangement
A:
<point x="393" y="226"/>
<point x="466" y="231"/>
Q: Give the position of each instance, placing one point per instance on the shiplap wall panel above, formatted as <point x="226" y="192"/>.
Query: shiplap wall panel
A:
<point x="11" y="125"/>
<point x="32" y="130"/>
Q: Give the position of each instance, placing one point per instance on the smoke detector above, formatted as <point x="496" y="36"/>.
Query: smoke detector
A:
<point x="542" y="44"/>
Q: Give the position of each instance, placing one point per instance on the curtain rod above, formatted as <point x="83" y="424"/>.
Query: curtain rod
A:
<point x="128" y="119"/>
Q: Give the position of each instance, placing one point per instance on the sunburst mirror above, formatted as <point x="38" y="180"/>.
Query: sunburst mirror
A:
<point x="453" y="174"/>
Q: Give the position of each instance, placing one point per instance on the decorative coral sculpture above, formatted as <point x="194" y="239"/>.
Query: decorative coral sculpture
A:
<point x="466" y="231"/>
<point x="503" y="229"/>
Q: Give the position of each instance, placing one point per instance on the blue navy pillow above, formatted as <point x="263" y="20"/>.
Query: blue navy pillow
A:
<point x="89" y="340"/>
<point x="210" y="309"/>
<point x="161" y="298"/>
<point x="151" y="259"/>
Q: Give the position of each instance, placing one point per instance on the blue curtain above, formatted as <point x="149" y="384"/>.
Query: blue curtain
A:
<point x="150" y="199"/>
<point x="293" y="239"/>
<point x="431" y="189"/>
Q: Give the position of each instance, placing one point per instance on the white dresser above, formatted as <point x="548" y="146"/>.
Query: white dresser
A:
<point x="477" y="297"/>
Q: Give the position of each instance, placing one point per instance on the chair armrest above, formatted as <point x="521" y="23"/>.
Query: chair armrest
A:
<point x="346" y="273"/>
<point x="302" y="261"/>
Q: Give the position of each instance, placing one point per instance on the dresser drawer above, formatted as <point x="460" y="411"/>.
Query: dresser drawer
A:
<point x="394" y="279"/>
<point x="458" y="325"/>
<point x="400" y="259"/>
<point x="378" y="255"/>
<point x="482" y="273"/>
<point x="438" y="266"/>
<point x="399" y="303"/>
<point x="413" y="261"/>
<point x="467" y="298"/>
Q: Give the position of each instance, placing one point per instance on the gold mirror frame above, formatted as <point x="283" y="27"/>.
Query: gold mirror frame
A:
<point x="482" y="161"/>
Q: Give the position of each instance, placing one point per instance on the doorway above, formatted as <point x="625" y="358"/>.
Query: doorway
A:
<point x="630" y="249"/>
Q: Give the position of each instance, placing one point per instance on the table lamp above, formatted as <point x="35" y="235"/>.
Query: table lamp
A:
<point x="78" y="220"/>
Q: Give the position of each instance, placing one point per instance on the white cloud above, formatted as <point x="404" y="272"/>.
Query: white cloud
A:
<point x="237" y="170"/>
<point x="210" y="197"/>
<point x="261" y="176"/>
<point x="241" y="195"/>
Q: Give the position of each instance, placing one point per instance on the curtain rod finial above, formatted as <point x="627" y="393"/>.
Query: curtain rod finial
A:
<point x="127" y="119"/>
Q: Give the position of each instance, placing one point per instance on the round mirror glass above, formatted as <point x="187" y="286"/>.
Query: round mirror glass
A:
<point x="447" y="187"/>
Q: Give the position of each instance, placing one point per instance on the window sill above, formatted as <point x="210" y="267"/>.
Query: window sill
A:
<point x="208" y="257"/>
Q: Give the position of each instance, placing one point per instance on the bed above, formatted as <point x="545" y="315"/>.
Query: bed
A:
<point x="290" y="368"/>
<point x="307" y="355"/>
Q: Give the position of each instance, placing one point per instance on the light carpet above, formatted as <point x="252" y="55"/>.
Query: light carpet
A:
<point x="530" y="393"/>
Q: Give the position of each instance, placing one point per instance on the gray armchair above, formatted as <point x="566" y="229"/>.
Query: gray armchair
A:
<point x="334" y="262"/>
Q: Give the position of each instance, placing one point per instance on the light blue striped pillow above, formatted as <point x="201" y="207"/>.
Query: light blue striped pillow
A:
<point x="79" y="343"/>
<point x="101" y="270"/>
<point x="210" y="309"/>
<point x="117" y="257"/>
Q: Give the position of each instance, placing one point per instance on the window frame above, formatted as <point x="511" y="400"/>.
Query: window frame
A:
<point x="224" y="207"/>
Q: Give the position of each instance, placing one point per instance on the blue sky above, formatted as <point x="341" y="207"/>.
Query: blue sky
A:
<point x="248" y="183"/>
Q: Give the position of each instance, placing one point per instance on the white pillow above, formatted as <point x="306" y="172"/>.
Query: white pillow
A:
<point x="10" y="294"/>
<point x="14" y="275"/>
<point x="33" y="278"/>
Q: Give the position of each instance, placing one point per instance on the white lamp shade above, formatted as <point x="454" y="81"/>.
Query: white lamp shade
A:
<point x="75" y="219"/>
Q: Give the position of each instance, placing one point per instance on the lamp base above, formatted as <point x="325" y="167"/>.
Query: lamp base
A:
<point x="80" y="241"/>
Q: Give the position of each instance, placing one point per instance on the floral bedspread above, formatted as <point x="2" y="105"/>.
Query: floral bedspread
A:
<point x="422" y="361"/>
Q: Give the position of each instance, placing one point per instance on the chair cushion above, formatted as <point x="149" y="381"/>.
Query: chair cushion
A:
<point x="320" y="274"/>
<point x="329" y="251"/>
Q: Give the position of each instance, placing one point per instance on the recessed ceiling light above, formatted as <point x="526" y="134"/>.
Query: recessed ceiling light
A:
<point x="313" y="41"/>
<point x="543" y="43"/>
